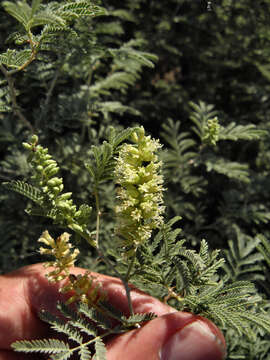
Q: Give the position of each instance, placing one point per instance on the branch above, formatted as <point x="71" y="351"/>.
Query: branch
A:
<point x="49" y="96"/>
<point x="13" y="97"/>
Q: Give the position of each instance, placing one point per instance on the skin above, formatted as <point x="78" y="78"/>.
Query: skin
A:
<point x="24" y="292"/>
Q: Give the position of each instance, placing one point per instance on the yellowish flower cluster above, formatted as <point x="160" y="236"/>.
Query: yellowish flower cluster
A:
<point x="140" y="198"/>
<point x="83" y="289"/>
<point x="211" y="132"/>
<point x="61" y="249"/>
<point x="81" y="286"/>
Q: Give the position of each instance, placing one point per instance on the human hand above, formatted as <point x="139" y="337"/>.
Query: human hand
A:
<point x="171" y="336"/>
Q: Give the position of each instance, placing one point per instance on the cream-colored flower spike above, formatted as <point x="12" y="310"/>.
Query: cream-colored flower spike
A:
<point x="140" y="195"/>
<point x="63" y="253"/>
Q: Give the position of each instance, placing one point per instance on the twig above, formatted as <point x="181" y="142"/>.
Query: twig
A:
<point x="49" y="94"/>
<point x="98" y="216"/>
<point x="13" y="98"/>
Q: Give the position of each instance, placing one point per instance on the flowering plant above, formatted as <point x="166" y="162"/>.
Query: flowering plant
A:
<point x="145" y="250"/>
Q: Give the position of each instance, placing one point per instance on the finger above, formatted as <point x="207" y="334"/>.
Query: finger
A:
<point x="42" y="297"/>
<point x="11" y="355"/>
<point x="28" y="291"/>
<point x="25" y="292"/>
<point x="175" y="336"/>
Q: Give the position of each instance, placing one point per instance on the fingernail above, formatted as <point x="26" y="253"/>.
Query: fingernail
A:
<point x="195" y="341"/>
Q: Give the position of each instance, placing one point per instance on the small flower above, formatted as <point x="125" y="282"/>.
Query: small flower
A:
<point x="84" y="289"/>
<point x="140" y="198"/>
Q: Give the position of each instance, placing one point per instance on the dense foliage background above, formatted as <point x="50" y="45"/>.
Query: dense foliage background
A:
<point x="169" y="66"/>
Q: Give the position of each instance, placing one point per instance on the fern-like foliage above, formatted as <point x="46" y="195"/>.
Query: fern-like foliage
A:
<point x="4" y="98"/>
<point x="103" y="157"/>
<point x="182" y="159"/>
<point x="76" y="327"/>
<point x="231" y="169"/>
<point x="127" y="64"/>
<point x="47" y="346"/>
<point x="83" y="327"/>
<point x="53" y="18"/>
<point x="179" y="158"/>
<point x="243" y="261"/>
<point x="25" y="189"/>
<point x="262" y="244"/>
<point x="190" y="281"/>
<point x="240" y="132"/>
<point x="202" y="113"/>
<point x="264" y="247"/>
<point x="15" y="59"/>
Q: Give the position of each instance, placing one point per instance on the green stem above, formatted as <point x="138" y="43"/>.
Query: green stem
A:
<point x="13" y="97"/>
<point x="125" y="282"/>
<point x="49" y="96"/>
<point x="92" y="340"/>
<point x="127" y="288"/>
<point x="131" y="264"/>
<point x="98" y="217"/>
<point x="34" y="47"/>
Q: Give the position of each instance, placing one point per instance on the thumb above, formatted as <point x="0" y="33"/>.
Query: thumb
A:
<point x="174" y="336"/>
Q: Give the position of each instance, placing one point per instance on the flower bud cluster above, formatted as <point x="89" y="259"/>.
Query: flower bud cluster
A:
<point x="45" y="170"/>
<point x="211" y="132"/>
<point x="140" y="198"/>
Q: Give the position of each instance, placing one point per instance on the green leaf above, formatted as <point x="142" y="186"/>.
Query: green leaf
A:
<point x="61" y="326"/>
<point x="47" y="17"/>
<point x="264" y="69"/>
<point x="138" y="318"/>
<point x="85" y="353"/>
<point x="49" y="346"/>
<point x="77" y="321"/>
<point x="231" y="169"/>
<point x="240" y="132"/>
<point x="102" y="165"/>
<point x="117" y="139"/>
<point x="81" y="8"/>
<point x="95" y="316"/>
<point x="25" y="189"/>
<point x="100" y="350"/>
<point x="35" y="6"/>
<point x="15" y="59"/>
<point x="200" y="115"/>
<point x="21" y="11"/>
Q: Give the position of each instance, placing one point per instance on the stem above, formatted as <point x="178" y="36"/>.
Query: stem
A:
<point x="92" y="340"/>
<point x="22" y="67"/>
<point x="49" y="93"/>
<point x="131" y="264"/>
<point x="98" y="216"/>
<point x="125" y="282"/>
<point x="87" y="97"/>
<point x="127" y="288"/>
<point x="13" y="98"/>
<point x="130" y="267"/>
<point x="34" y="47"/>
